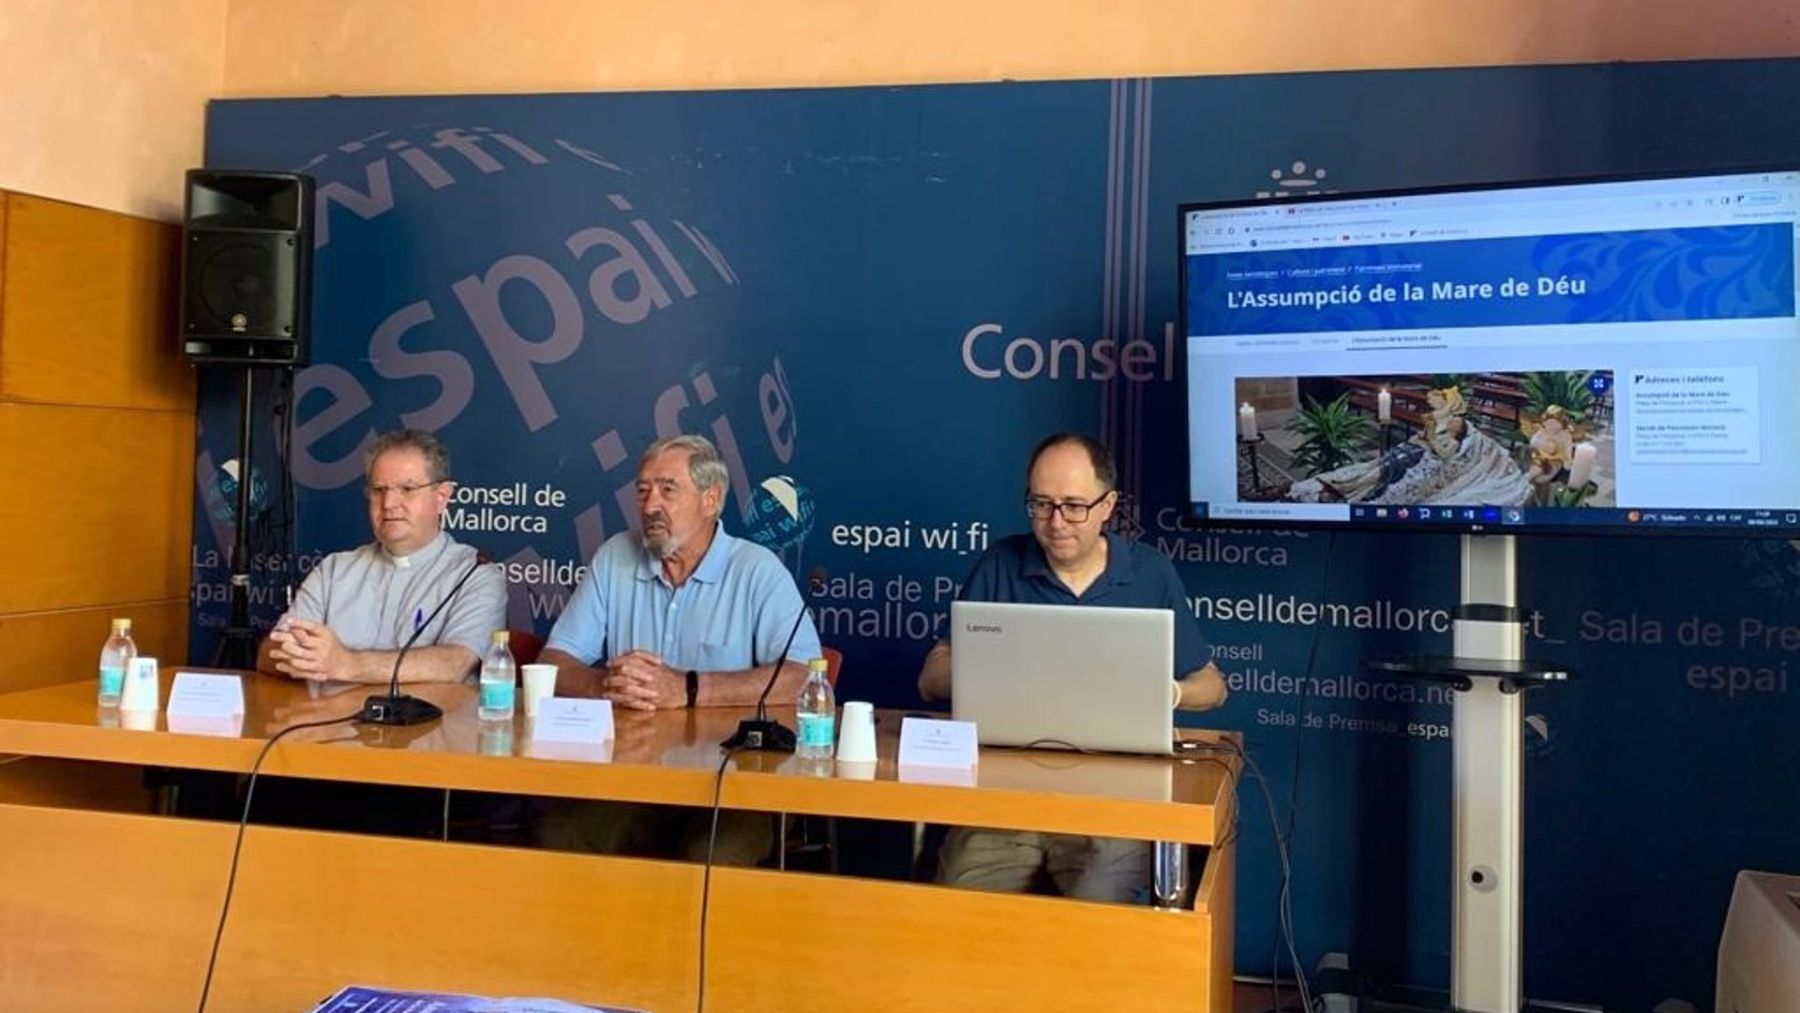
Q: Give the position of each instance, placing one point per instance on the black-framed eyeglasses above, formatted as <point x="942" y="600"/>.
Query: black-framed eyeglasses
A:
<point x="406" y="491"/>
<point x="1073" y="511"/>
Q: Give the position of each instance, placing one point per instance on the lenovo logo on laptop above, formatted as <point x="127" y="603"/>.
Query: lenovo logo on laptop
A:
<point x="979" y="628"/>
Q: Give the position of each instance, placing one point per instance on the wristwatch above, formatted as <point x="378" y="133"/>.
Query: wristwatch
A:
<point x="693" y="686"/>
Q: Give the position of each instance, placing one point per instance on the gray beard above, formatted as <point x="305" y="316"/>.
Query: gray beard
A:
<point x="662" y="548"/>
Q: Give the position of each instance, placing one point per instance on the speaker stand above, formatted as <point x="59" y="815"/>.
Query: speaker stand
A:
<point x="1489" y="674"/>
<point x="237" y="642"/>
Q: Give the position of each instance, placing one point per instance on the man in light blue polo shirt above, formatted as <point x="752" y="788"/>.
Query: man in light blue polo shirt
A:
<point x="678" y="614"/>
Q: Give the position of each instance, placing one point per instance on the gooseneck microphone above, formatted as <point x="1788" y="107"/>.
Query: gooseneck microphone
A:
<point x="394" y="707"/>
<point x="761" y="731"/>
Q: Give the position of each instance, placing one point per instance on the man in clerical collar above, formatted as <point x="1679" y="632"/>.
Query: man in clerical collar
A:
<point x="356" y="609"/>
<point x="677" y="614"/>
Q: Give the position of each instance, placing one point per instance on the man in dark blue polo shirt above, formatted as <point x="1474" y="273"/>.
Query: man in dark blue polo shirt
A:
<point x="1070" y="559"/>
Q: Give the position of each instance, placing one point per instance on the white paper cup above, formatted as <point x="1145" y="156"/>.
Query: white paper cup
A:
<point x="143" y="688"/>
<point x="856" y="770"/>
<point x="856" y="740"/>
<point x="540" y="684"/>
<point x="138" y="721"/>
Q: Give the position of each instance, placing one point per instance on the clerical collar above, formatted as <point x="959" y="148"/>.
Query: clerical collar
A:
<point x="406" y="561"/>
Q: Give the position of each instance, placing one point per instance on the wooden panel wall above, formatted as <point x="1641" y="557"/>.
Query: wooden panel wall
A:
<point x="96" y="439"/>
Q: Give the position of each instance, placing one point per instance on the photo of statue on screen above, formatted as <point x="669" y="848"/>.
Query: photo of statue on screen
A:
<point x="1449" y="461"/>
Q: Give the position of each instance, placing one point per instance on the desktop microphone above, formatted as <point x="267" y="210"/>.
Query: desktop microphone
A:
<point x="394" y="707"/>
<point x="761" y="731"/>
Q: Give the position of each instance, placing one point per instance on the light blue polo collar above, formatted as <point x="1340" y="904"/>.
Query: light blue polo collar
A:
<point x="712" y="565"/>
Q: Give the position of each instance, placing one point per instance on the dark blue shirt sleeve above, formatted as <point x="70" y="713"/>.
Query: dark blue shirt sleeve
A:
<point x="1192" y="652"/>
<point x="982" y="583"/>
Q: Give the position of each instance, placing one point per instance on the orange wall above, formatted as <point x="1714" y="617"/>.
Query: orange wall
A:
<point x="312" y="47"/>
<point x="103" y="99"/>
<point x="117" y="88"/>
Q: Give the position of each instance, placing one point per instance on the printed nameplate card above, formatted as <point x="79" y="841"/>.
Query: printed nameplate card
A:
<point x="199" y="695"/>
<point x="580" y="752"/>
<point x="926" y="742"/>
<point x="573" y="721"/>
<point x="226" y="726"/>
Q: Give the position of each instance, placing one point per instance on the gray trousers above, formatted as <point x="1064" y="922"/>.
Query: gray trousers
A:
<point x="1010" y="861"/>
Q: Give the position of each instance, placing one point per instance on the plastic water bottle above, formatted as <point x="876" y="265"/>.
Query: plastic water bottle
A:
<point x="818" y="714"/>
<point x="495" y="738"/>
<point x="498" y="677"/>
<point x="115" y="657"/>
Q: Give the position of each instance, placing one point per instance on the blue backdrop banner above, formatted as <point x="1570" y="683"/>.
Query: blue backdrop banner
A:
<point x="875" y="300"/>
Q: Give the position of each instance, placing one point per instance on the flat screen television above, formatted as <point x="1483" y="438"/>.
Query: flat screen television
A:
<point x="1596" y="356"/>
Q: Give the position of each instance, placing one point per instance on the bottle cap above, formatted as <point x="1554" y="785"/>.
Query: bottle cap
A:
<point x="818" y="665"/>
<point x="121" y="625"/>
<point x="499" y="637"/>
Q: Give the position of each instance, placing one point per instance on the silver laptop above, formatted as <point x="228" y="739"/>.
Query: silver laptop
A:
<point x="1064" y="675"/>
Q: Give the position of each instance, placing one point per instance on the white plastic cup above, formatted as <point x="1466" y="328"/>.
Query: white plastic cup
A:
<point x="540" y="685"/>
<point x="856" y="770"/>
<point x="856" y="740"/>
<point x="143" y="687"/>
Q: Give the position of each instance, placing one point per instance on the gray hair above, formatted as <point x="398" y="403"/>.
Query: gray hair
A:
<point x="705" y="466"/>
<point x="437" y="456"/>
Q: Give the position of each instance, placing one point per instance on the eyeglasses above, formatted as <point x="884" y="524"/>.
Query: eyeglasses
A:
<point x="407" y="491"/>
<point x="1073" y="511"/>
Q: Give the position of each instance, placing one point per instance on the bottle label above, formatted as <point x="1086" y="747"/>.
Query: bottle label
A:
<point x="112" y="680"/>
<point x="496" y="695"/>
<point x="815" y="730"/>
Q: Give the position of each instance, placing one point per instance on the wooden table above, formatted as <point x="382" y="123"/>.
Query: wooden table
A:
<point x="105" y="904"/>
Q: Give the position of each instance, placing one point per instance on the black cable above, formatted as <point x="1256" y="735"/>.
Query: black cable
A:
<point x="1181" y="748"/>
<point x="272" y="531"/>
<point x="1284" y="835"/>
<point x="393" y="691"/>
<point x="1264" y="981"/>
<point x="712" y="841"/>
<point x="287" y="525"/>
<point x="212" y="959"/>
<point x="1284" y="838"/>
<point x="1183" y="751"/>
<point x="1282" y="854"/>
<point x="1061" y="744"/>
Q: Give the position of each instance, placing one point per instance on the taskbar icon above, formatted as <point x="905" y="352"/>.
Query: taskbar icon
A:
<point x="1474" y="515"/>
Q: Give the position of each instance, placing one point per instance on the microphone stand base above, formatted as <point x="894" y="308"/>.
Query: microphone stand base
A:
<point x="761" y="733"/>
<point x="382" y="709"/>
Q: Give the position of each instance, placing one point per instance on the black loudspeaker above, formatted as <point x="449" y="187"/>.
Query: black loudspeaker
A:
<point x="246" y="267"/>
